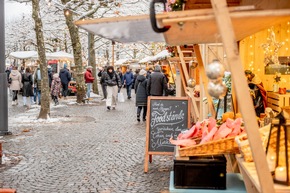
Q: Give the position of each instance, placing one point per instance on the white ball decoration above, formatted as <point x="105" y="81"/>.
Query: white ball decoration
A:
<point x="217" y="89"/>
<point x="215" y="70"/>
<point x="191" y="83"/>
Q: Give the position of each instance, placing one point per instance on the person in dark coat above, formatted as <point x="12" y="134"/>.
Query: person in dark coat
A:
<point x="101" y="74"/>
<point x="141" y="94"/>
<point x="128" y="81"/>
<point x="113" y="82"/>
<point x="27" y="82"/>
<point x="37" y="83"/>
<point x="50" y="77"/>
<point x="135" y="77"/>
<point x="157" y="84"/>
<point x="149" y="72"/>
<point x="65" y="78"/>
<point x="257" y="99"/>
<point x="120" y="73"/>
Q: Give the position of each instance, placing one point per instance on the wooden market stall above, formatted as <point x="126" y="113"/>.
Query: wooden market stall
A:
<point x="211" y="25"/>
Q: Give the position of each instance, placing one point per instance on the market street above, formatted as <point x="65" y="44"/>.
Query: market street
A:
<point x="82" y="148"/>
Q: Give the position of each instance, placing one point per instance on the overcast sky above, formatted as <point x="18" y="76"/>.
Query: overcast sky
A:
<point x="13" y="10"/>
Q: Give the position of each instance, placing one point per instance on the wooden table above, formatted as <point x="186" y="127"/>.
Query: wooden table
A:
<point x="248" y="170"/>
<point x="276" y="100"/>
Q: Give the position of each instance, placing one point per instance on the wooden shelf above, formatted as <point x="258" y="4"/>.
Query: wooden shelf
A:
<point x="249" y="173"/>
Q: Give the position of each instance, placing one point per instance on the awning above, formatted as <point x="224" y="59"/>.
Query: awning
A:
<point x="147" y="59"/>
<point x="23" y="54"/>
<point x="121" y="61"/>
<point x="162" y="55"/>
<point x="187" y="27"/>
<point x="60" y="56"/>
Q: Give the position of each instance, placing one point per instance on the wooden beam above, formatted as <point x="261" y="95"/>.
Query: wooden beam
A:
<point x="225" y="27"/>
<point x="204" y="79"/>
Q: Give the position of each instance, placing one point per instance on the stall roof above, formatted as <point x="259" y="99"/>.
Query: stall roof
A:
<point x="190" y="26"/>
<point x="162" y="55"/>
<point x="147" y="59"/>
<point x="121" y="61"/>
<point x="34" y="55"/>
<point x="23" y="54"/>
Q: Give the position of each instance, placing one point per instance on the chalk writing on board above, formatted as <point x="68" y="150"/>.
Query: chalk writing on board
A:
<point x="167" y="119"/>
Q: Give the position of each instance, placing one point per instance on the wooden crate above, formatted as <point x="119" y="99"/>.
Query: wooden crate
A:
<point x="276" y="101"/>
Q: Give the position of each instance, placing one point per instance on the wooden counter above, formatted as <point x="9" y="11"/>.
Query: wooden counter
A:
<point x="248" y="170"/>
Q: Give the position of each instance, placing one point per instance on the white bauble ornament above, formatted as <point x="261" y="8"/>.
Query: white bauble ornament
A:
<point x="217" y="89"/>
<point x="193" y="64"/>
<point x="191" y="83"/>
<point x="215" y="70"/>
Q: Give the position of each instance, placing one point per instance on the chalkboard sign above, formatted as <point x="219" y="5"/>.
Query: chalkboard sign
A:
<point x="166" y="117"/>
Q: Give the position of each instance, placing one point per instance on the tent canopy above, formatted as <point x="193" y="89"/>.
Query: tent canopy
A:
<point x="187" y="27"/>
<point x="34" y="55"/>
<point x="121" y="61"/>
<point x="147" y="59"/>
<point x="23" y="54"/>
<point x="161" y="55"/>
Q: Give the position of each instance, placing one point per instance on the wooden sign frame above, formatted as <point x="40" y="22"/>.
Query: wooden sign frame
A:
<point x="148" y="154"/>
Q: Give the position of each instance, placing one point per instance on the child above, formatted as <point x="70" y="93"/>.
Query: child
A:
<point x="55" y="88"/>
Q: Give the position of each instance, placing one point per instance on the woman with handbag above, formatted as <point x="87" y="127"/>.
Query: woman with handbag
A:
<point x="113" y="82"/>
<point x="15" y="84"/>
<point x="27" y="82"/>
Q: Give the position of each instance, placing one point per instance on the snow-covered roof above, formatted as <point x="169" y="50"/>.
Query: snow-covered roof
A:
<point x="147" y="59"/>
<point x="162" y="55"/>
<point x="23" y="54"/>
<point x="121" y="61"/>
<point x="60" y="56"/>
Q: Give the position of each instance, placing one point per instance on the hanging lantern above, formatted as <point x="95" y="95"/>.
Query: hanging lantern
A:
<point x="217" y="89"/>
<point x="191" y="83"/>
<point x="215" y="70"/>
<point x="277" y="147"/>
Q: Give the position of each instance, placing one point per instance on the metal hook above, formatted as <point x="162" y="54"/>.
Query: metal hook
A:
<point x="153" y="17"/>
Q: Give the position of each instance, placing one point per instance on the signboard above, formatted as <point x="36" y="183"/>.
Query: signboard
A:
<point x="167" y="117"/>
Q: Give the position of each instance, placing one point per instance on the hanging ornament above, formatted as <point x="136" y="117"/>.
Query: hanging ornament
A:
<point x="193" y="64"/>
<point x="215" y="70"/>
<point x="217" y="89"/>
<point x="191" y="83"/>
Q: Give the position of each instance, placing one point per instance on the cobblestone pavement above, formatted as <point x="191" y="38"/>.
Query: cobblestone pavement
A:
<point x="82" y="148"/>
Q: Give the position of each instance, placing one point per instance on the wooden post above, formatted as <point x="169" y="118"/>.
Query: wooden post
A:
<point x="203" y="78"/>
<point x="244" y="99"/>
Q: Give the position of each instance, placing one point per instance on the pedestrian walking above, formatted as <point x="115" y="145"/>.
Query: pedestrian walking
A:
<point x="135" y="77"/>
<point x="113" y="81"/>
<point x="128" y="81"/>
<point x="149" y="72"/>
<point x="37" y="83"/>
<point x="101" y="74"/>
<point x="120" y="73"/>
<point x="65" y="78"/>
<point x="89" y="79"/>
<point x="141" y="94"/>
<point x="55" y="88"/>
<point x="15" y="85"/>
<point x="27" y="82"/>
<point x="50" y="75"/>
<point x="157" y="84"/>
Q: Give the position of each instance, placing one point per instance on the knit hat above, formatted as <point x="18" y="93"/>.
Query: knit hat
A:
<point x="142" y="72"/>
<point x="65" y="66"/>
<point x="157" y="68"/>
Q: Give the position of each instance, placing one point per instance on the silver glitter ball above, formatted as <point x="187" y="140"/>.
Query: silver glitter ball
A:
<point x="215" y="70"/>
<point x="217" y="89"/>
<point x="191" y="83"/>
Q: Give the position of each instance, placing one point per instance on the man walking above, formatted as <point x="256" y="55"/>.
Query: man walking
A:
<point x="65" y="78"/>
<point x="157" y="84"/>
<point x="89" y="79"/>
<point x="102" y="74"/>
<point x="128" y="81"/>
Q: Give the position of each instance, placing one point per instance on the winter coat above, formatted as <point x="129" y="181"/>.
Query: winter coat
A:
<point x="121" y="77"/>
<point x="101" y="74"/>
<point x="134" y="80"/>
<point x="128" y="78"/>
<point x="37" y="79"/>
<point x="114" y="81"/>
<point x="64" y="76"/>
<point x="55" y="86"/>
<point x="89" y="77"/>
<point x="50" y="78"/>
<point x="16" y="80"/>
<point x="27" y="85"/>
<point x="157" y="85"/>
<point x="141" y="94"/>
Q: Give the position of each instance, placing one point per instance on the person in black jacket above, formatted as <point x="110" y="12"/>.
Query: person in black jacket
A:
<point x="65" y="78"/>
<point x="27" y="82"/>
<point x="113" y="82"/>
<point x="157" y="84"/>
<point x="141" y="94"/>
<point x="50" y="78"/>
<point x="101" y="74"/>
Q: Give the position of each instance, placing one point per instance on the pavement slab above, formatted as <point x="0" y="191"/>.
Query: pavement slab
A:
<point x="82" y="148"/>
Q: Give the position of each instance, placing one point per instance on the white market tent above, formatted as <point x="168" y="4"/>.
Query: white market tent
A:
<point x="147" y="59"/>
<point x="34" y="55"/>
<point x="161" y="55"/>
<point x="121" y="61"/>
<point x="24" y="55"/>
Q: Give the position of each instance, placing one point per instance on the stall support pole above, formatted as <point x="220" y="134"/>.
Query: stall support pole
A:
<point x="3" y="76"/>
<point x="225" y="27"/>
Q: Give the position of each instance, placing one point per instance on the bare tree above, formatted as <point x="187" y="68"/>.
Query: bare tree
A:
<point x="45" y="100"/>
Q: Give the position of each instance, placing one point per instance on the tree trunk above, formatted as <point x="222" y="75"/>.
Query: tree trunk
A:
<point x="45" y="99"/>
<point x="92" y="61"/>
<point x="77" y="51"/>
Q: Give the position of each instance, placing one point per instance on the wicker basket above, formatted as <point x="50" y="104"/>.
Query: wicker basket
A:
<point x="221" y="146"/>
